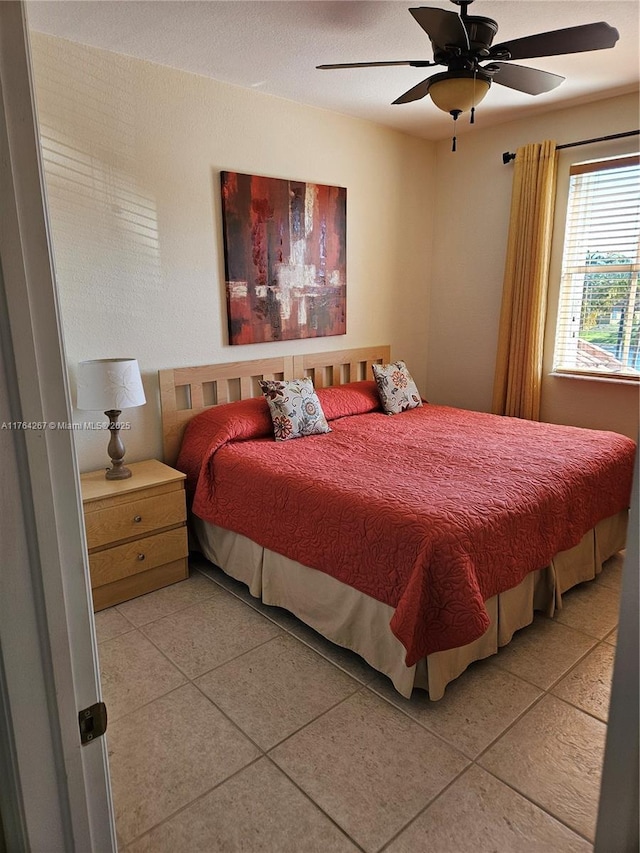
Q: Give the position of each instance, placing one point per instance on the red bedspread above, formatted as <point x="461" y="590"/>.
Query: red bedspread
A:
<point x="432" y="511"/>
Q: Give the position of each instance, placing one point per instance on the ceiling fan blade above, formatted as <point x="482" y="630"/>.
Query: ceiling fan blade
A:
<point x="443" y="27"/>
<point x="523" y="79"/>
<point x="598" y="36"/>
<point x="415" y="93"/>
<point x="416" y="63"/>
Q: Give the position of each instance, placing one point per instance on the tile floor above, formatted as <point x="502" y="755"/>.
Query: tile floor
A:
<point x="234" y="727"/>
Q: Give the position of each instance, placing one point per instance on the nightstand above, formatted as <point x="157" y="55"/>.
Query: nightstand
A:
<point x="136" y="531"/>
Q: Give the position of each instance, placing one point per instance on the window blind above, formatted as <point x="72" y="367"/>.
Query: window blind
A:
<point x="598" y="329"/>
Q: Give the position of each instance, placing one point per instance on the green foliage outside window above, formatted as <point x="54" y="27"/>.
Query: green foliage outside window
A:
<point x="605" y="302"/>
<point x="603" y="291"/>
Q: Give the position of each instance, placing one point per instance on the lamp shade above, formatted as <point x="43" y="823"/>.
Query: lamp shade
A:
<point x="106" y="384"/>
<point x="454" y="91"/>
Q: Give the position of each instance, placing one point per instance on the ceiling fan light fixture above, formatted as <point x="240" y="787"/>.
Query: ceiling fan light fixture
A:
<point x="461" y="42"/>
<point x="458" y="91"/>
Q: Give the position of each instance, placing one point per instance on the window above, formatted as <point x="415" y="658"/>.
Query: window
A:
<point x="598" y="329"/>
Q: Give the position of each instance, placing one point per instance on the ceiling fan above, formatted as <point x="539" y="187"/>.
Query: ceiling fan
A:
<point x="461" y="42"/>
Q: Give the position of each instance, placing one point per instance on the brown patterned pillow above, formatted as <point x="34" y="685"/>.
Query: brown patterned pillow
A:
<point x="294" y="407"/>
<point x="397" y="390"/>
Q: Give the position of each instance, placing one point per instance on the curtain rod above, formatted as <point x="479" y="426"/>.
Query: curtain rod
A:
<point x="507" y="157"/>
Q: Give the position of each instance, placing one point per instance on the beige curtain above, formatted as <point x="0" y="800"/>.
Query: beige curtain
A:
<point x="518" y="378"/>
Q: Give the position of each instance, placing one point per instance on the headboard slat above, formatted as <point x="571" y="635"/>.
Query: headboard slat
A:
<point x="327" y="368"/>
<point x="246" y="387"/>
<point x="197" y="395"/>
<point x="222" y="391"/>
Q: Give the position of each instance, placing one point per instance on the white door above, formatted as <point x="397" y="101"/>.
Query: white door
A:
<point x="55" y="793"/>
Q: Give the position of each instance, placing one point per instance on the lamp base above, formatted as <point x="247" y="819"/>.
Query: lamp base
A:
<point x="118" y="472"/>
<point x="115" y="449"/>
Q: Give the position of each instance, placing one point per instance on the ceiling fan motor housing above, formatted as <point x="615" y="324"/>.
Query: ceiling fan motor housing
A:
<point x="481" y="32"/>
<point x="458" y="56"/>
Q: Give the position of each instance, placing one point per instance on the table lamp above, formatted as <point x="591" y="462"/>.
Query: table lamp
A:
<point x="110" y="385"/>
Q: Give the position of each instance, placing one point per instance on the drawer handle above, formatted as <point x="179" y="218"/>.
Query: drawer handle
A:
<point x="141" y="557"/>
<point x="137" y="519"/>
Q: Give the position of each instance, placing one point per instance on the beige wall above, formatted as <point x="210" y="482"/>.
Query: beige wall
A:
<point x="472" y="202"/>
<point x="133" y="153"/>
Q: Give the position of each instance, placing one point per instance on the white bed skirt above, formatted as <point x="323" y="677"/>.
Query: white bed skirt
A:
<point x="358" y="622"/>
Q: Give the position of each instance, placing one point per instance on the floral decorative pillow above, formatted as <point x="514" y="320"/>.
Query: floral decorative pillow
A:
<point x="294" y="407"/>
<point x="397" y="390"/>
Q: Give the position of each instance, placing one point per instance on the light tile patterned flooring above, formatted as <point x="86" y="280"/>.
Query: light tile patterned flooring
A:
<point x="234" y="727"/>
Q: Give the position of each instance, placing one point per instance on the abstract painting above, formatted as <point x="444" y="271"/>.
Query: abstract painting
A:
<point x="285" y="258"/>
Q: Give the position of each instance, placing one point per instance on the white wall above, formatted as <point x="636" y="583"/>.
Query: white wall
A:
<point x="133" y="152"/>
<point x="470" y="237"/>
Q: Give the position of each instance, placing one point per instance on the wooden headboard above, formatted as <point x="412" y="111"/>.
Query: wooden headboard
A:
<point x="185" y="391"/>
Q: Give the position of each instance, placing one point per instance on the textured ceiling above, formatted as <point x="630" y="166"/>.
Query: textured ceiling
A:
<point x="274" y="46"/>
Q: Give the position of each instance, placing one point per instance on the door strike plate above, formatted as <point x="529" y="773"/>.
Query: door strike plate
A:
<point x="93" y="722"/>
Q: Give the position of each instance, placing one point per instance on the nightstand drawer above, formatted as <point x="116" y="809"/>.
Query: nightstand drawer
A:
<point x="136" y="531"/>
<point x="135" y="518"/>
<point x="141" y="555"/>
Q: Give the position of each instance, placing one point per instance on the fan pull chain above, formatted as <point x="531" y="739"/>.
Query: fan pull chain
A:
<point x="455" y="114"/>
<point x="472" y="120"/>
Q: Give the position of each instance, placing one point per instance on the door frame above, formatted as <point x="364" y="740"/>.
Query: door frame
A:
<point x="56" y="793"/>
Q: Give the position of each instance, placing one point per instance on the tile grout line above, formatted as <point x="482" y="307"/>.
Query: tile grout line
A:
<point x="192" y="679"/>
<point x="267" y="754"/>
<point x="546" y="691"/>
<point x="572" y="669"/>
<point x="315" y="719"/>
<point x="560" y="678"/>
<point x="474" y="761"/>
<point x="141" y="707"/>
<point x="426" y="806"/>
<point x="513" y="786"/>
<point x="300" y="639"/>
<point x="536" y="804"/>
<point x="314" y="803"/>
<point x="221" y="587"/>
<point x="362" y="686"/>
<point x="177" y="609"/>
<point x="518" y="719"/>
<point x="189" y="679"/>
<point x="180" y="609"/>
<point x="263" y="750"/>
<point x="201" y="796"/>
<point x="213" y="668"/>
<point x="263" y="754"/>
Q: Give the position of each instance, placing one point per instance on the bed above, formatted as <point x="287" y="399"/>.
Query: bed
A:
<point x="422" y="541"/>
